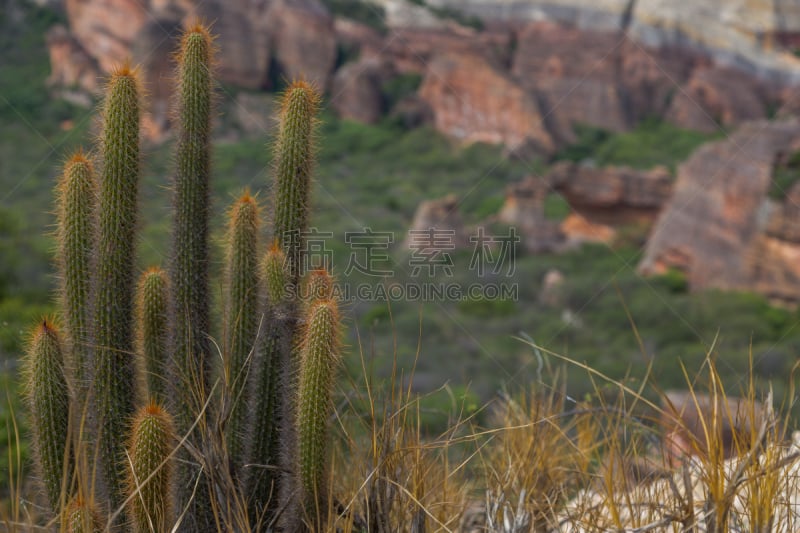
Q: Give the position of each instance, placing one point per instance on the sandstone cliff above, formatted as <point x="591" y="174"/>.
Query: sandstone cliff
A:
<point x="720" y="228"/>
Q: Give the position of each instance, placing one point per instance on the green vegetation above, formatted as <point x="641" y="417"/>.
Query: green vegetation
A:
<point x="785" y="175"/>
<point x="362" y="11"/>
<point x="651" y="143"/>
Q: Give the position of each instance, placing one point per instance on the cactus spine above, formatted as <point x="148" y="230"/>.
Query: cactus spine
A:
<point x="113" y="388"/>
<point x="243" y="314"/>
<point x="150" y="473"/>
<point x="48" y="400"/>
<point x="189" y="268"/>
<point x="319" y="355"/>
<point x="76" y="198"/>
<point x="80" y="517"/>
<point x="152" y="322"/>
<point x="294" y="155"/>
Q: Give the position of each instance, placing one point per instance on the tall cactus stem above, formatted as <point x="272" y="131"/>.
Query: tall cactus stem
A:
<point x="190" y="300"/>
<point x="48" y="399"/>
<point x="319" y="349"/>
<point x="76" y="197"/>
<point x="151" y="312"/>
<point x="113" y="391"/>
<point x="150" y="471"/>
<point x="294" y="164"/>
<point x="270" y="421"/>
<point x="243" y="314"/>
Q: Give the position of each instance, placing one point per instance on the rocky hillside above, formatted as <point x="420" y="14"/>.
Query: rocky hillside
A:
<point x="552" y="63"/>
<point x="524" y="74"/>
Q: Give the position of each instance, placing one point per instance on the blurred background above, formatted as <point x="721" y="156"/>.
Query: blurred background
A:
<point x="645" y="152"/>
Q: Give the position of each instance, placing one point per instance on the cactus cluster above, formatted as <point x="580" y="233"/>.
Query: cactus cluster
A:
<point x="121" y="404"/>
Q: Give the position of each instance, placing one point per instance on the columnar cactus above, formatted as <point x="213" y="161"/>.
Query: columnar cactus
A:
<point x="76" y="198"/>
<point x="48" y="402"/>
<point x="189" y="309"/>
<point x="102" y="307"/>
<point x="150" y="473"/>
<point x="243" y="316"/>
<point x="319" y="356"/>
<point x="294" y="164"/>
<point x="268" y="398"/>
<point x="151" y="308"/>
<point x="113" y="390"/>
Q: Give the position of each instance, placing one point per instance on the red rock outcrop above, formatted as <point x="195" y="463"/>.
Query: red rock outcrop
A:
<point x="106" y="29"/>
<point x="496" y="110"/>
<point x="714" y="228"/>
<point x="70" y="64"/>
<point x="574" y="74"/>
<point x="297" y="36"/>
<point x="412" y="49"/>
<point x="612" y="195"/>
<point x="715" y="97"/>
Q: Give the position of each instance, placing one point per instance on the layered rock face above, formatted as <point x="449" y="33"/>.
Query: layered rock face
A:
<point x="720" y="228"/>
<point x="751" y="34"/>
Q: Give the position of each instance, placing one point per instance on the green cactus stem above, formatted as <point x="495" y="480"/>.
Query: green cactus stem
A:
<point x="189" y="307"/>
<point x="81" y="517"/>
<point x="151" y="307"/>
<point x="269" y="403"/>
<point x="150" y="471"/>
<point x="319" y="356"/>
<point x="294" y="164"/>
<point x="113" y="391"/>
<point x="243" y="313"/>
<point x="76" y="195"/>
<point x="48" y="400"/>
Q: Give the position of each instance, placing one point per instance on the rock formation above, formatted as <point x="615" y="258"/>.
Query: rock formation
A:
<point x="437" y="225"/>
<point x="496" y="110"/>
<point x="612" y="195"/>
<point x="523" y="209"/>
<point x="357" y="90"/>
<point x="716" y="227"/>
<point x="552" y="63"/>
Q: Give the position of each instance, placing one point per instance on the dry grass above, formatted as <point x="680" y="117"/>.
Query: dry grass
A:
<point x="546" y="462"/>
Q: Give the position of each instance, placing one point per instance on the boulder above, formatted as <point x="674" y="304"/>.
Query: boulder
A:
<point x="303" y="39"/>
<point x="357" y="90"/>
<point x="713" y="225"/>
<point x="243" y="39"/>
<point x="496" y="110"/>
